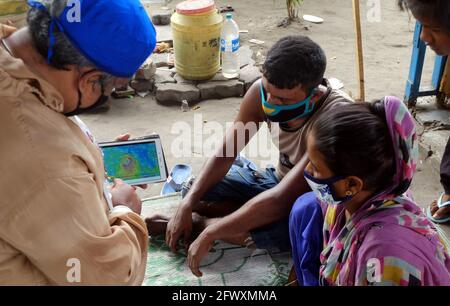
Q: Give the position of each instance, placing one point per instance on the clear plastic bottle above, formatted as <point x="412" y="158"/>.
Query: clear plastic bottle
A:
<point x="229" y="45"/>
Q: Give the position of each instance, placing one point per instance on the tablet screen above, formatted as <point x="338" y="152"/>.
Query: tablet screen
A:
<point x="133" y="163"/>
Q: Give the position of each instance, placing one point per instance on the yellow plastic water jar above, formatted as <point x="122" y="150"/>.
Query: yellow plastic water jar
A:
<point x="13" y="10"/>
<point x="196" y="27"/>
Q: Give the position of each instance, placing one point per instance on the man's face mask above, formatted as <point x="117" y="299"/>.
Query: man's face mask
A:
<point x="324" y="191"/>
<point x="101" y="101"/>
<point x="286" y="113"/>
<point x="78" y="111"/>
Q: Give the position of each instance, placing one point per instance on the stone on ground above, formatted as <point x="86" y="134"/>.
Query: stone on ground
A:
<point x="219" y="90"/>
<point x="172" y="94"/>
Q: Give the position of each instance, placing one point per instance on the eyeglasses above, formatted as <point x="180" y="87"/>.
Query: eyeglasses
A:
<point x="108" y="82"/>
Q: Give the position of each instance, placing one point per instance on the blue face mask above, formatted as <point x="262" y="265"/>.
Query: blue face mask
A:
<point x="324" y="191"/>
<point x="287" y="113"/>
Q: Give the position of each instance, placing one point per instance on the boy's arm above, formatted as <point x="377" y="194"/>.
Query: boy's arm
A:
<point x="266" y="208"/>
<point x="215" y="169"/>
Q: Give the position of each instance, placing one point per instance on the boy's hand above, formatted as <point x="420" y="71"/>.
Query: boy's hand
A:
<point x="180" y="225"/>
<point x="197" y="251"/>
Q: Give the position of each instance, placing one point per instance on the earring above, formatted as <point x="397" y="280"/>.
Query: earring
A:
<point x="349" y="193"/>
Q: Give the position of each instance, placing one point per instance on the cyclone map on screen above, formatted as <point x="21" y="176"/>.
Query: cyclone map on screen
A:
<point x="132" y="162"/>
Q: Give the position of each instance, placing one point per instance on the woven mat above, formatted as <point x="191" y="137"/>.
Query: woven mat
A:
<point x="225" y="265"/>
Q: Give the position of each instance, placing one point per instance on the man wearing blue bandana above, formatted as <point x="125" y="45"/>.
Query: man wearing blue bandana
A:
<point x="253" y="204"/>
<point x="60" y="224"/>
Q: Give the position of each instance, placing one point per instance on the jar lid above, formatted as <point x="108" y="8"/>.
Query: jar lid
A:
<point x="192" y="7"/>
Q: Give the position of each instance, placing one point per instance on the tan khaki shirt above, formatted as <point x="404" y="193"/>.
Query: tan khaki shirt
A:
<point x="53" y="214"/>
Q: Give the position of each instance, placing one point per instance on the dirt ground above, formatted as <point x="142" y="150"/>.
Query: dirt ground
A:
<point x="387" y="42"/>
<point x="387" y="47"/>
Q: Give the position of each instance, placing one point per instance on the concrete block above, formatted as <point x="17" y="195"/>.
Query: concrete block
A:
<point x="180" y="80"/>
<point x="249" y="75"/>
<point x="219" y="90"/>
<point x="219" y="78"/>
<point x="142" y="85"/>
<point x="161" y="17"/>
<point x="161" y="59"/>
<point x="163" y="77"/>
<point x="147" y="71"/>
<point x="428" y="114"/>
<point x="172" y="94"/>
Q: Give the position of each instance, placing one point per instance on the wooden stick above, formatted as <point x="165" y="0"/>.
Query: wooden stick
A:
<point x="359" y="50"/>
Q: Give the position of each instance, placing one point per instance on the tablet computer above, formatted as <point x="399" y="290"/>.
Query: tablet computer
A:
<point x="136" y="162"/>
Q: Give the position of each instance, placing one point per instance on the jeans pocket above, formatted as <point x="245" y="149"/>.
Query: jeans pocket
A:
<point x="247" y="176"/>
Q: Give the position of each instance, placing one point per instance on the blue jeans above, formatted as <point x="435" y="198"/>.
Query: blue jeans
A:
<point x="243" y="182"/>
<point x="305" y="229"/>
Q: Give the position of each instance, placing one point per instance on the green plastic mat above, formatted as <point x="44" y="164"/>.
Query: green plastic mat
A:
<point x="225" y="265"/>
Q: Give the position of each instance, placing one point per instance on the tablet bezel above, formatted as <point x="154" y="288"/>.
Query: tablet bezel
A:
<point x="160" y="154"/>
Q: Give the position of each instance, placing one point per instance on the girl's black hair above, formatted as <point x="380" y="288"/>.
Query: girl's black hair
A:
<point x="438" y="10"/>
<point x="355" y="141"/>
